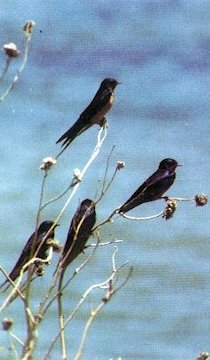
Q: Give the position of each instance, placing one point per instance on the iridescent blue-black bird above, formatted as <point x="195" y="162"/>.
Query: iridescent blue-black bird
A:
<point x="79" y="231"/>
<point x="27" y="253"/>
<point x="154" y="187"/>
<point x="94" y="113"/>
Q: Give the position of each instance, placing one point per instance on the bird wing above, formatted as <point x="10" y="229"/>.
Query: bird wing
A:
<point x="153" y="179"/>
<point x="25" y="255"/>
<point x="97" y="104"/>
<point x="22" y="260"/>
<point x="79" y="126"/>
<point x="154" y="185"/>
<point x="84" y="121"/>
<point x="78" y="234"/>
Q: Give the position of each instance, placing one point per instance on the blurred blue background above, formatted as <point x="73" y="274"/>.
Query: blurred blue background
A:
<point x="160" y="51"/>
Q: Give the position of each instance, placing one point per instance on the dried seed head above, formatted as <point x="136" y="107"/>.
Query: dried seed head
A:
<point x="77" y="174"/>
<point x="11" y="50"/>
<point x="28" y="27"/>
<point x="39" y="268"/>
<point x="169" y="209"/>
<point x="7" y="323"/>
<point x="120" y="165"/>
<point x="77" y="177"/>
<point x="201" y="199"/>
<point x="47" y="163"/>
<point x="203" y="356"/>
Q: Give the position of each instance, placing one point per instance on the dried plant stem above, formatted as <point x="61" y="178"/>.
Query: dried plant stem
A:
<point x="103" y="285"/>
<point x="108" y="219"/>
<point x="30" y="342"/>
<point x="111" y="290"/>
<point x="75" y="184"/>
<point x="61" y="317"/>
<point x="6" y="66"/>
<point x="93" y="315"/>
<point x="100" y="139"/>
<point x="144" y="218"/>
<point x="55" y="198"/>
<point x="178" y="198"/>
<point x="107" y="168"/>
<point x="44" y="306"/>
<point x="16" y="338"/>
<point x="116" y="241"/>
<point x="16" y="77"/>
<point x="32" y="323"/>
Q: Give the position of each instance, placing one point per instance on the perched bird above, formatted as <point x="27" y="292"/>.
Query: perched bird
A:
<point x="79" y="231"/>
<point x="27" y="254"/>
<point x="94" y="113"/>
<point x="154" y="187"/>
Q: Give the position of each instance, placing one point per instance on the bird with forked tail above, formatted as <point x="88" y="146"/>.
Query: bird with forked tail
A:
<point x="34" y="241"/>
<point x="94" y="113"/>
<point x="79" y="232"/>
<point x="154" y="187"/>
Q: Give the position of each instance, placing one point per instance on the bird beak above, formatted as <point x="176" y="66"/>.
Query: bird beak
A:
<point x="119" y="83"/>
<point x="180" y="165"/>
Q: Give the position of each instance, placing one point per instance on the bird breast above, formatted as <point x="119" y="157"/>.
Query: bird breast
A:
<point x="102" y="112"/>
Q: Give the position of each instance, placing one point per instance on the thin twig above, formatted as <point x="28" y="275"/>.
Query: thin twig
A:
<point x="102" y="285"/>
<point x="107" y="168"/>
<point x="55" y="198"/>
<point x="83" y="264"/>
<point x="16" y="77"/>
<point x="94" y="313"/>
<point x="105" y="243"/>
<point x="16" y="338"/>
<point x="100" y="139"/>
<point x="142" y="218"/>
<point x="61" y="316"/>
<point x="6" y="66"/>
<point x="166" y="198"/>
<point x="16" y="288"/>
<point x="108" y="219"/>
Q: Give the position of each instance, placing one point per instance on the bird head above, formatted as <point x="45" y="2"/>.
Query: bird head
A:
<point x="110" y="83"/>
<point x="169" y="164"/>
<point x="45" y="226"/>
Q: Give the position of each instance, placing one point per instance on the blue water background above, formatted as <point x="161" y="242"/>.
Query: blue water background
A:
<point x="160" y="51"/>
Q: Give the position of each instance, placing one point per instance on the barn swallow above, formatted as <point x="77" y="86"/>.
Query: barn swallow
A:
<point x="26" y="254"/>
<point x="154" y="187"/>
<point x="94" y="113"/>
<point x="79" y="231"/>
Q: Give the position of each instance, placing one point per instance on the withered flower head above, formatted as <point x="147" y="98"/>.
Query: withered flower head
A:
<point x="169" y="209"/>
<point x="7" y="323"/>
<point x="28" y="27"/>
<point x="203" y="356"/>
<point x="39" y="268"/>
<point x="77" y="174"/>
<point x="11" y="50"/>
<point x="77" y="177"/>
<point x="47" y="163"/>
<point x="120" y="165"/>
<point x="201" y="199"/>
